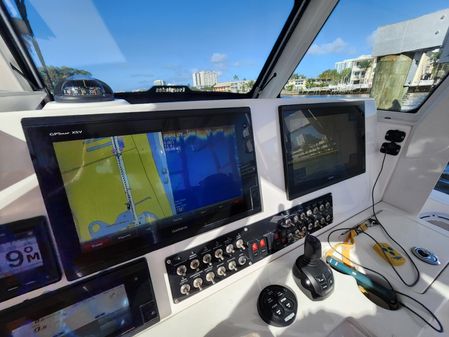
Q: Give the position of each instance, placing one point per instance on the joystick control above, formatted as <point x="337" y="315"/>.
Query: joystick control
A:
<point x="312" y="275"/>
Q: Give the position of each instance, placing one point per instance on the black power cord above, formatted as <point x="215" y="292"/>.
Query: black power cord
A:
<point x="437" y="329"/>
<point x="418" y="274"/>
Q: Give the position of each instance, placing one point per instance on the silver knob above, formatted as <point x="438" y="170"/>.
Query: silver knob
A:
<point x="232" y="265"/>
<point x="240" y="244"/>
<point x="230" y="248"/>
<point x="242" y="260"/>
<point x="219" y="254"/>
<point x="210" y="277"/>
<point x="181" y="270"/>
<point x="221" y="271"/>
<point x="207" y="258"/>
<point x="185" y="289"/>
<point x="194" y="264"/>
<point x="198" y="282"/>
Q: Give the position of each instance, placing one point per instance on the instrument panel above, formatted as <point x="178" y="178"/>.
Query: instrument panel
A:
<point x="201" y="267"/>
<point x="272" y="224"/>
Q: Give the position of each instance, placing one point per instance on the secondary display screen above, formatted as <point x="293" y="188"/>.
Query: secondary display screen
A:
<point x="114" y="303"/>
<point x="100" y="315"/>
<point x="120" y="183"/>
<point x="323" y="144"/>
<point x="20" y="255"/>
<point x="27" y="258"/>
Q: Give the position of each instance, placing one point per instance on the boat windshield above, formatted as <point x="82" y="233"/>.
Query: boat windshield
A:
<point x="206" y="45"/>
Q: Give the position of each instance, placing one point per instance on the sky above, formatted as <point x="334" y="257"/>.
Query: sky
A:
<point x="348" y="33"/>
<point x="130" y="44"/>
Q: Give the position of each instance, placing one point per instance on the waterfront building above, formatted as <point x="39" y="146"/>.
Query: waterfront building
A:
<point x="362" y="70"/>
<point x="203" y="79"/>
<point x="232" y="86"/>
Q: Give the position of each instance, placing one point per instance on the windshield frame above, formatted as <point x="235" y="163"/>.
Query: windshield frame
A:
<point x="20" y="53"/>
<point x="30" y="68"/>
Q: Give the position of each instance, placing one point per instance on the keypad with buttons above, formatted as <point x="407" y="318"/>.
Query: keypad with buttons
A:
<point x="277" y="305"/>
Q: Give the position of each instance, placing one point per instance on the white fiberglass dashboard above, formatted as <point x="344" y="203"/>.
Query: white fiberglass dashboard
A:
<point x="21" y="199"/>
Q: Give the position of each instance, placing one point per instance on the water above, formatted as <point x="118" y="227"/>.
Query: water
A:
<point x="410" y="101"/>
<point x="413" y="100"/>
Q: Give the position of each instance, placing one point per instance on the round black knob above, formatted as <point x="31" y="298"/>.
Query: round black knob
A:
<point x="277" y="305"/>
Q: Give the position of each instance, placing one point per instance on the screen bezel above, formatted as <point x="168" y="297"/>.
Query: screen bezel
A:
<point x="25" y="281"/>
<point x="134" y="276"/>
<point x="297" y="190"/>
<point x="42" y="132"/>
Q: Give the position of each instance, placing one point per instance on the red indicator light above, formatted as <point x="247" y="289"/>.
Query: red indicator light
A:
<point x="255" y="247"/>
<point x="262" y="243"/>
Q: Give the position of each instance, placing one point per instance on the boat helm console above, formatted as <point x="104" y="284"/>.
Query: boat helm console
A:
<point x="187" y="189"/>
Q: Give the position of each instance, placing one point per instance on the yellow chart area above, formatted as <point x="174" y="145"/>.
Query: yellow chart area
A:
<point x="95" y="189"/>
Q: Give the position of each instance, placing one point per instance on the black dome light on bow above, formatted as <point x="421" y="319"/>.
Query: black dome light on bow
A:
<point x="82" y="89"/>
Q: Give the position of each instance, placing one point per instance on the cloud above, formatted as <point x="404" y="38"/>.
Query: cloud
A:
<point x="219" y="61"/>
<point x="335" y="47"/>
<point x="218" y="58"/>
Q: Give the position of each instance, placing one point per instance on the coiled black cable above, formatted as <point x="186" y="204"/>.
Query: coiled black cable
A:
<point x="439" y="329"/>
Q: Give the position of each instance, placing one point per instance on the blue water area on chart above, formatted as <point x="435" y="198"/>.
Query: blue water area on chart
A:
<point x="203" y="167"/>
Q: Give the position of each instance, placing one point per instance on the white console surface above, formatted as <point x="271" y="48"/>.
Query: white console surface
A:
<point x="228" y="309"/>
<point x="232" y="312"/>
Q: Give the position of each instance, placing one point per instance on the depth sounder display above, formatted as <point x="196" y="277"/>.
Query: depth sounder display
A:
<point x="27" y="258"/>
<point x="19" y="255"/>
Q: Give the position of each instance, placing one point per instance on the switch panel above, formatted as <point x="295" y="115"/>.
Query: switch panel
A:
<point x="200" y="267"/>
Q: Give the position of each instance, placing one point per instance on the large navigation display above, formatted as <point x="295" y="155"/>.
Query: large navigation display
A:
<point x="323" y="144"/>
<point x="117" y="184"/>
<point x="120" y="185"/>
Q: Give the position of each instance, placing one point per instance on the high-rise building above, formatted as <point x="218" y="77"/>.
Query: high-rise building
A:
<point x="203" y="79"/>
